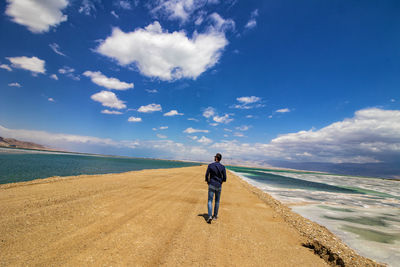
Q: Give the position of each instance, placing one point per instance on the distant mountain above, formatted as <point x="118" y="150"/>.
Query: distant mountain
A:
<point x="14" y="143"/>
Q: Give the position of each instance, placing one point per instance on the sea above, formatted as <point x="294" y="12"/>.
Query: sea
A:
<point x="363" y="211"/>
<point x="19" y="165"/>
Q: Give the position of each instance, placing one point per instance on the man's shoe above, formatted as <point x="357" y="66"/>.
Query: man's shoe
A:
<point x="209" y="219"/>
<point x="215" y="218"/>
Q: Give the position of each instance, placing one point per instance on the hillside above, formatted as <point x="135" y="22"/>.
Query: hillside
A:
<point x="14" y="143"/>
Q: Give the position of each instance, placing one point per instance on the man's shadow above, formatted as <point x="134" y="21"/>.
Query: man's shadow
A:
<point x="205" y="216"/>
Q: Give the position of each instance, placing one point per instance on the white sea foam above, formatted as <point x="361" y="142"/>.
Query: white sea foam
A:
<point x="372" y="241"/>
<point x="367" y="219"/>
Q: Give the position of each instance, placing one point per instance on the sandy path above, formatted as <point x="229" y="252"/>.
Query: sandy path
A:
<point x="145" y="218"/>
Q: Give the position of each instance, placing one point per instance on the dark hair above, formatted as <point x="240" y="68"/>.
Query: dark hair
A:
<point x="218" y="156"/>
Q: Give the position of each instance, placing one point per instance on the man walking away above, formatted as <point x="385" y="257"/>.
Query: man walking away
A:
<point x="215" y="176"/>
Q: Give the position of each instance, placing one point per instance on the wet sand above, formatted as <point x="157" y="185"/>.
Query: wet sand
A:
<point x="157" y="217"/>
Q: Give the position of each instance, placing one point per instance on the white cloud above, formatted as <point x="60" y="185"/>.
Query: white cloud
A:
<point x="33" y="64"/>
<point x="173" y="113"/>
<point x="391" y="100"/>
<point x="214" y="124"/>
<point x="283" y="110"/>
<point x="204" y="140"/>
<point x="248" y="99"/>
<point x="227" y="130"/>
<point x="14" y="85"/>
<point x="150" y="108"/>
<point x="238" y="134"/>
<point x="249" y="116"/>
<point x="110" y="83"/>
<point x="66" y="70"/>
<point x="254" y="13"/>
<point x="193" y="137"/>
<point x="191" y="130"/>
<point x="54" y="77"/>
<point x="111" y="112"/>
<point x="223" y="119"/>
<point x="209" y="112"/>
<point x="178" y="9"/>
<point x="56" y="48"/>
<point x="243" y="128"/>
<point x="69" y="72"/>
<point x="87" y="7"/>
<point x="108" y="99"/>
<point x="200" y="18"/>
<point x="161" y="136"/>
<point x="38" y="16"/>
<point x="372" y="135"/>
<point x="252" y="22"/>
<point x="192" y="119"/>
<point x="160" y="128"/>
<point x="156" y="54"/>
<point x="114" y="14"/>
<point x="248" y="102"/>
<point x="152" y="91"/>
<point x="73" y="76"/>
<point x="124" y="5"/>
<point x="134" y="119"/>
<point x="6" y="67"/>
<point x="221" y="24"/>
<point x="50" y="99"/>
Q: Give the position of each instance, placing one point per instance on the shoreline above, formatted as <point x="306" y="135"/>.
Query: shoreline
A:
<point x="313" y="237"/>
<point x="318" y="238"/>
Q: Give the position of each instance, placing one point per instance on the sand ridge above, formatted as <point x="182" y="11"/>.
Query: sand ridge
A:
<point x="145" y="218"/>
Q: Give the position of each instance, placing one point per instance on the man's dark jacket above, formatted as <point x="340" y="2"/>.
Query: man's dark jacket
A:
<point x="216" y="174"/>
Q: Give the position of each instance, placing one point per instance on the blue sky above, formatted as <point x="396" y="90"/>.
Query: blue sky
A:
<point x="184" y="79"/>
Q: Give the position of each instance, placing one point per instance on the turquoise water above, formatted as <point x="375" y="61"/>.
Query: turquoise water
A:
<point x="17" y="165"/>
<point x="364" y="212"/>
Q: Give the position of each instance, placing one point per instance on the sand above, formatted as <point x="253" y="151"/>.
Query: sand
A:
<point x="156" y="217"/>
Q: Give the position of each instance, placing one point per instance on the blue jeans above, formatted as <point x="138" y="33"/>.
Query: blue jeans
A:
<point x="211" y="191"/>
